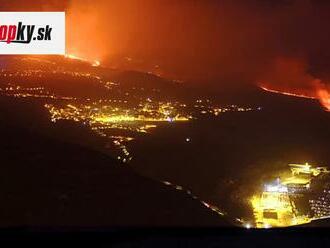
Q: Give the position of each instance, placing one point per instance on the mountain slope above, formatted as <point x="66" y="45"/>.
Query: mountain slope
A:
<point x="47" y="182"/>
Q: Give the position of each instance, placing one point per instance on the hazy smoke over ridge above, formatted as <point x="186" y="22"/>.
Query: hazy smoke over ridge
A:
<point x="205" y="40"/>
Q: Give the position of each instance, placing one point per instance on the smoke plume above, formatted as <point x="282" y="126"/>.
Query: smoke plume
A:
<point x="283" y="43"/>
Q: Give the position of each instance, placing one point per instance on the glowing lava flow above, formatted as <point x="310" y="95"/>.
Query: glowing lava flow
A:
<point x="287" y="93"/>
<point x="322" y="95"/>
<point x="94" y="63"/>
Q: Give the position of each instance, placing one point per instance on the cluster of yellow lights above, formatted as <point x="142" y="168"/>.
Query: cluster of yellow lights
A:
<point x="120" y="141"/>
<point x="106" y="117"/>
<point x="31" y="92"/>
<point x="274" y="208"/>
<point x="118" y="116"/>
<point x="207" y="108"/>
<point x="128" y="118"/>
<point x="102" y="117"/>
<point x="96" y="113"/>
<point x="40" y="74"/>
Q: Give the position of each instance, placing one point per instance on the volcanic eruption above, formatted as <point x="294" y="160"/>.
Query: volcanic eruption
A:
<point x="289" y="76"/>
<point x="182" y="127"/>
<point x="279" y="45"/>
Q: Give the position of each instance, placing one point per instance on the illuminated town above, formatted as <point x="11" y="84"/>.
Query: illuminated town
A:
<point x="296" y="199"/>
<point x="120" y="117"/>
<point x="121" y="114"/>
<point x="212" y="115"/>
<point x="114" y="106"/>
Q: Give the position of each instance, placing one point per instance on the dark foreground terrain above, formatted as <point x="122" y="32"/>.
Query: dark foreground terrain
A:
<point x="47" y="182"/>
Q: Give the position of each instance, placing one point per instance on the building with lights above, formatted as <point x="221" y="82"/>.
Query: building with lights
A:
<point x="320" y="196"/>
<point x="294" y="199"/>
<point x="274" y="207"/>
